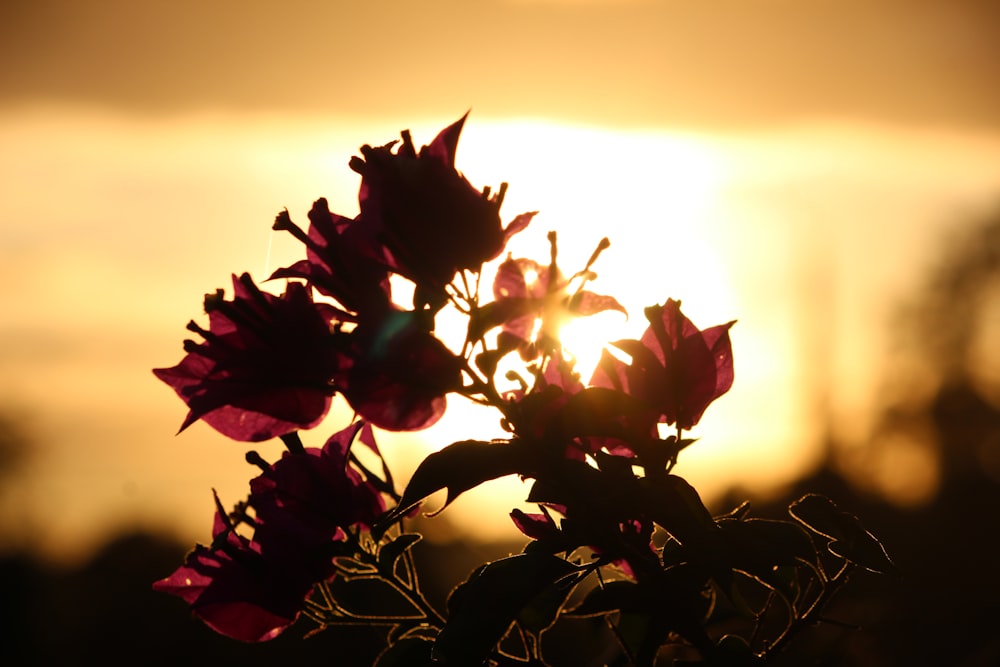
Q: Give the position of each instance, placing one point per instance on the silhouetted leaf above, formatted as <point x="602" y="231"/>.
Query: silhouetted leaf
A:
<point x="599" y="411"/>
<point x="848" y="538"/>
<point x="462" y="466"/>
<point x="634" y="632"/>
<point x="741" y="512"/>
<point x="483" y="608"/>
<point x="539" y="614"/>
<point x="676" y="506"/>
<point x="600" y="496"/>
<point x="487" y="361"/>
<point x="407" y="652"/>
<point x="350" y="567"/>
<point x="611" y="597"/>
<point x="497" y="312"/>
<point x="733" y="651"/>
<point x="373" y="597"/>
<point x="390" y="553"/>
<point x="758" y="545"/>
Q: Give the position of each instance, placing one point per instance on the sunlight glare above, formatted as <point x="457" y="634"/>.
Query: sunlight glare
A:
<point x="585" y="338"/>
<point x="654" y="194"/>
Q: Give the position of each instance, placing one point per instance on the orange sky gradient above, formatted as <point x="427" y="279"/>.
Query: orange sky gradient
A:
<point x="617" y="62"/>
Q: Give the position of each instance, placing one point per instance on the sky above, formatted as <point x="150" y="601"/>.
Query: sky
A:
<point x="789" y="165"/>
<point x="620" y="62"/>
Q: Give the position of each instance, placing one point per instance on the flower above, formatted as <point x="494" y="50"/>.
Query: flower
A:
<point x="234" y="589"/>
<point x="399" y="372"/>
<point x="525" y="291"/>
<point x="341" y="261"/>
<point x="676" y="368"/>
<point x="265" y="367"/>
<point x="429" y="219"/>
<point x="252" y="589"/>
<point x="306" y="499"/>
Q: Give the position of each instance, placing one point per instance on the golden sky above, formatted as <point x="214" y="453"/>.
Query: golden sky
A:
<point x="625" y="62"/>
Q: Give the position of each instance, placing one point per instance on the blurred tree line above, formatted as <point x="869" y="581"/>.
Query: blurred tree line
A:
<point x="941" y="406"/>
<point x="927" y="480"/>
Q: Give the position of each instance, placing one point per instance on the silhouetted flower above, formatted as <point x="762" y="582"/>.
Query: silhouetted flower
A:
<point x="431" y="221"/>
<point x="305" y="501"/>
<point x="341" y="262"/>
<point x="676" y="368"/>
<point x="234" y="589"/>
<point x="577" y="421"/>
<point x="399" y="372"/>
<point x="265" y="367"/>
<point x="526" y="291"/>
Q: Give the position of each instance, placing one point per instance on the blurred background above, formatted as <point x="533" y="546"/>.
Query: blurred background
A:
<point x="827" y="173"/>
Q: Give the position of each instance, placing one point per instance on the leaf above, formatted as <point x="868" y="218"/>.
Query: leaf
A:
<point x="373" y="598"/>
<point x="390" y="553"/>
<point x="636" y="634"/>
<point x="539" y="614"/>
<point x="350" y="567"/>
<point x="487" y="361"/>
<point x="600" y="496"/>
<point x="676" y="506"/>
<point x="759" y="545"/>
<point x="848" y="538"/>
<point x="599" y="411"/>
<point x="734" y="651"/>
<point x="741" y="512"/>
<point x="613" y="596"/>
<point x="483" y="608"/>
<point x="459" y="467"/>
<point x="407" y="652"/>
<point x="495" y="313"/>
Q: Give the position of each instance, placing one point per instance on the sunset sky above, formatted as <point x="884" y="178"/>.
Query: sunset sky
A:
<point x="635" y="63"/>
<point x="792" y="165"/>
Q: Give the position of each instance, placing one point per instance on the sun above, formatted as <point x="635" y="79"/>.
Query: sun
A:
<point x="584" y="338"/>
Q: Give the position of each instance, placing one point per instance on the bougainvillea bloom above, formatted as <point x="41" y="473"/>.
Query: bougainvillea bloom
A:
<point x="234" y="589"/>
<point x="431" y="221"/>
<point x="399" y="372"/>
<point x="265" y="366"/>
<point x="676" y="368"/>
<point x="305" y="500"/>
<point x="340" y="262"/>
<point x="526" y="291"/>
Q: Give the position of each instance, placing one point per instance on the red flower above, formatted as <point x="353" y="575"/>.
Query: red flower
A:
<point x="400" y="373"/>
<point x="265" y="367"/>
<point x="431" y="221"/>
<point x="525" y="291"/>
<point x="234" y="589"/>
<point x="305" y="500"/>
<point x="252" y="589"/>
<point x="676" y="368"/>
<point x="341" y="261"/>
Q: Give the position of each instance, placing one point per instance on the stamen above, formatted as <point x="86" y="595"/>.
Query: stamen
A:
<point x="255" y="459"/>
